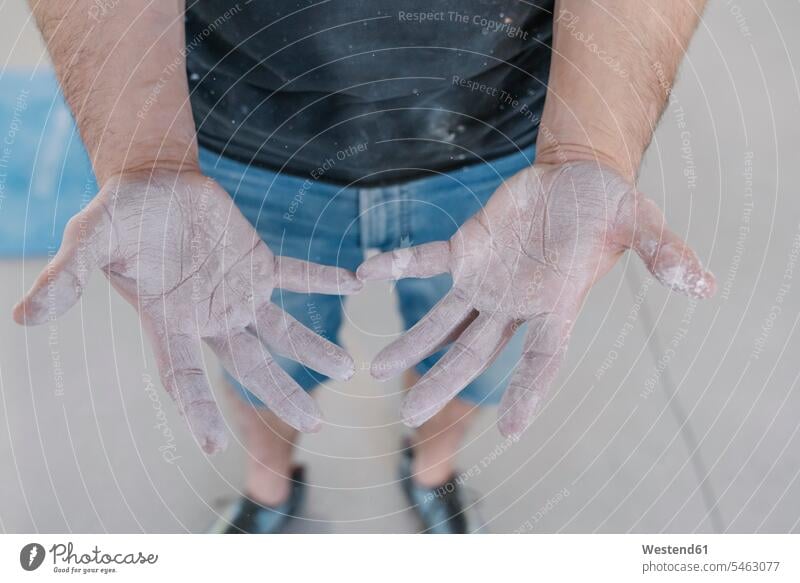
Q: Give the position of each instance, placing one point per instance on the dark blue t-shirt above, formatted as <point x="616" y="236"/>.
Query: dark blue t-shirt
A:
<point x="377" y="91"/>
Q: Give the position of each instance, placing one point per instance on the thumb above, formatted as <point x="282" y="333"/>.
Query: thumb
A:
<point x="61" y="283"/>
<point x="667" y="256"/>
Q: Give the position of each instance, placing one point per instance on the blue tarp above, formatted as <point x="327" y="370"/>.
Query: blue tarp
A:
<point x="45" y="174"/>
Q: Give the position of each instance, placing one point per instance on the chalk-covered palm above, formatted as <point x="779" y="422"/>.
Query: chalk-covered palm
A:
<point x="531" y="255"/>
<point x="175" y="246"/>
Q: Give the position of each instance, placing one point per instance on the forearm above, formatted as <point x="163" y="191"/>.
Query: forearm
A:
<point x="613" y="64"/>
<point x="123" y="74"/>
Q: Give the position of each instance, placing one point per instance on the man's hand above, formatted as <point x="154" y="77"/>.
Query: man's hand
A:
<point x="175" y="246"/>
<point x="170" y="240"/>
<point x="531" y="255"/>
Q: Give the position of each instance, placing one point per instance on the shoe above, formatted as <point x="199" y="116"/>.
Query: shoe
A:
<point x="441" y="508"/>
<point x="245" y="516"/>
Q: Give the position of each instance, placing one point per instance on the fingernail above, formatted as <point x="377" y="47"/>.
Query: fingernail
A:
<point x="510" y="429"/>
<point x="416" y="415"/>
<point x="314" y="427"/>
<point x="214" y="445"/>
<point x="412" y="423"/>
<point x="349" y="369"/>
<point x="367" y="271"/>
<point x="351" y="285"/>
<point x="25" y="314"/>
<point x="704" y="287"/>
<point x="711" y="284"/>
<point x="378" y="371"/>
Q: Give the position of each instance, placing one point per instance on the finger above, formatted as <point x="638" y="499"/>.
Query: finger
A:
<point x="249" y="362"/>
<point x="306" y="277"/>
<point x="180" y="362"/>
<point x="470" y="355"/>
<point x="62" y="282"/>
<point x="440" y="326"/>
<point x="420" y="261"/>
<point x="667" y="256"/>
<point x="545" y="345"/>
<point x="288" y="337"/>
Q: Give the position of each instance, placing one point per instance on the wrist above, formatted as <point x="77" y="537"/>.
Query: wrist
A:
<point x="585" y="132"/>
<point x="556" y="152"/>
<point x="162" y="132"/>
<point x="173" y="157"/>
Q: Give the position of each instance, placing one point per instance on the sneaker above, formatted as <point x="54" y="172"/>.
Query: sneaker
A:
<point x="440" y="509"/>
<point x="246" y="516"/>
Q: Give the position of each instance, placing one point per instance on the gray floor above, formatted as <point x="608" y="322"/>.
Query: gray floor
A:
<point x="686" y="422"/>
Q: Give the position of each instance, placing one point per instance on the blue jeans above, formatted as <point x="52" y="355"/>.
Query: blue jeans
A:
<point x="335" y="225"/>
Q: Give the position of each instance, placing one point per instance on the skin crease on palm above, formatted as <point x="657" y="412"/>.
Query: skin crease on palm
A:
<point x="176" y="247"/>
<point x="531" y="255"/>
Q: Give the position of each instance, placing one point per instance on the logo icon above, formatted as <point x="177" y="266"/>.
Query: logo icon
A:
<point x="31" y="556"/>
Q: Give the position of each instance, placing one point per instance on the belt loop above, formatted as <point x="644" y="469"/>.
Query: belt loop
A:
<point x="372" y="217"/>
<point x="363" y="222"/>
<point x="405" y="235"/>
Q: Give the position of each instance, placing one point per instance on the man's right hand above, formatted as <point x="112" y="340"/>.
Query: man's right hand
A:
<point x="177" y="248"/>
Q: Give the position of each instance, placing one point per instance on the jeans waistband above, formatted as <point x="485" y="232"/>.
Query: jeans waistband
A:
<point x="479" y="172"/>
